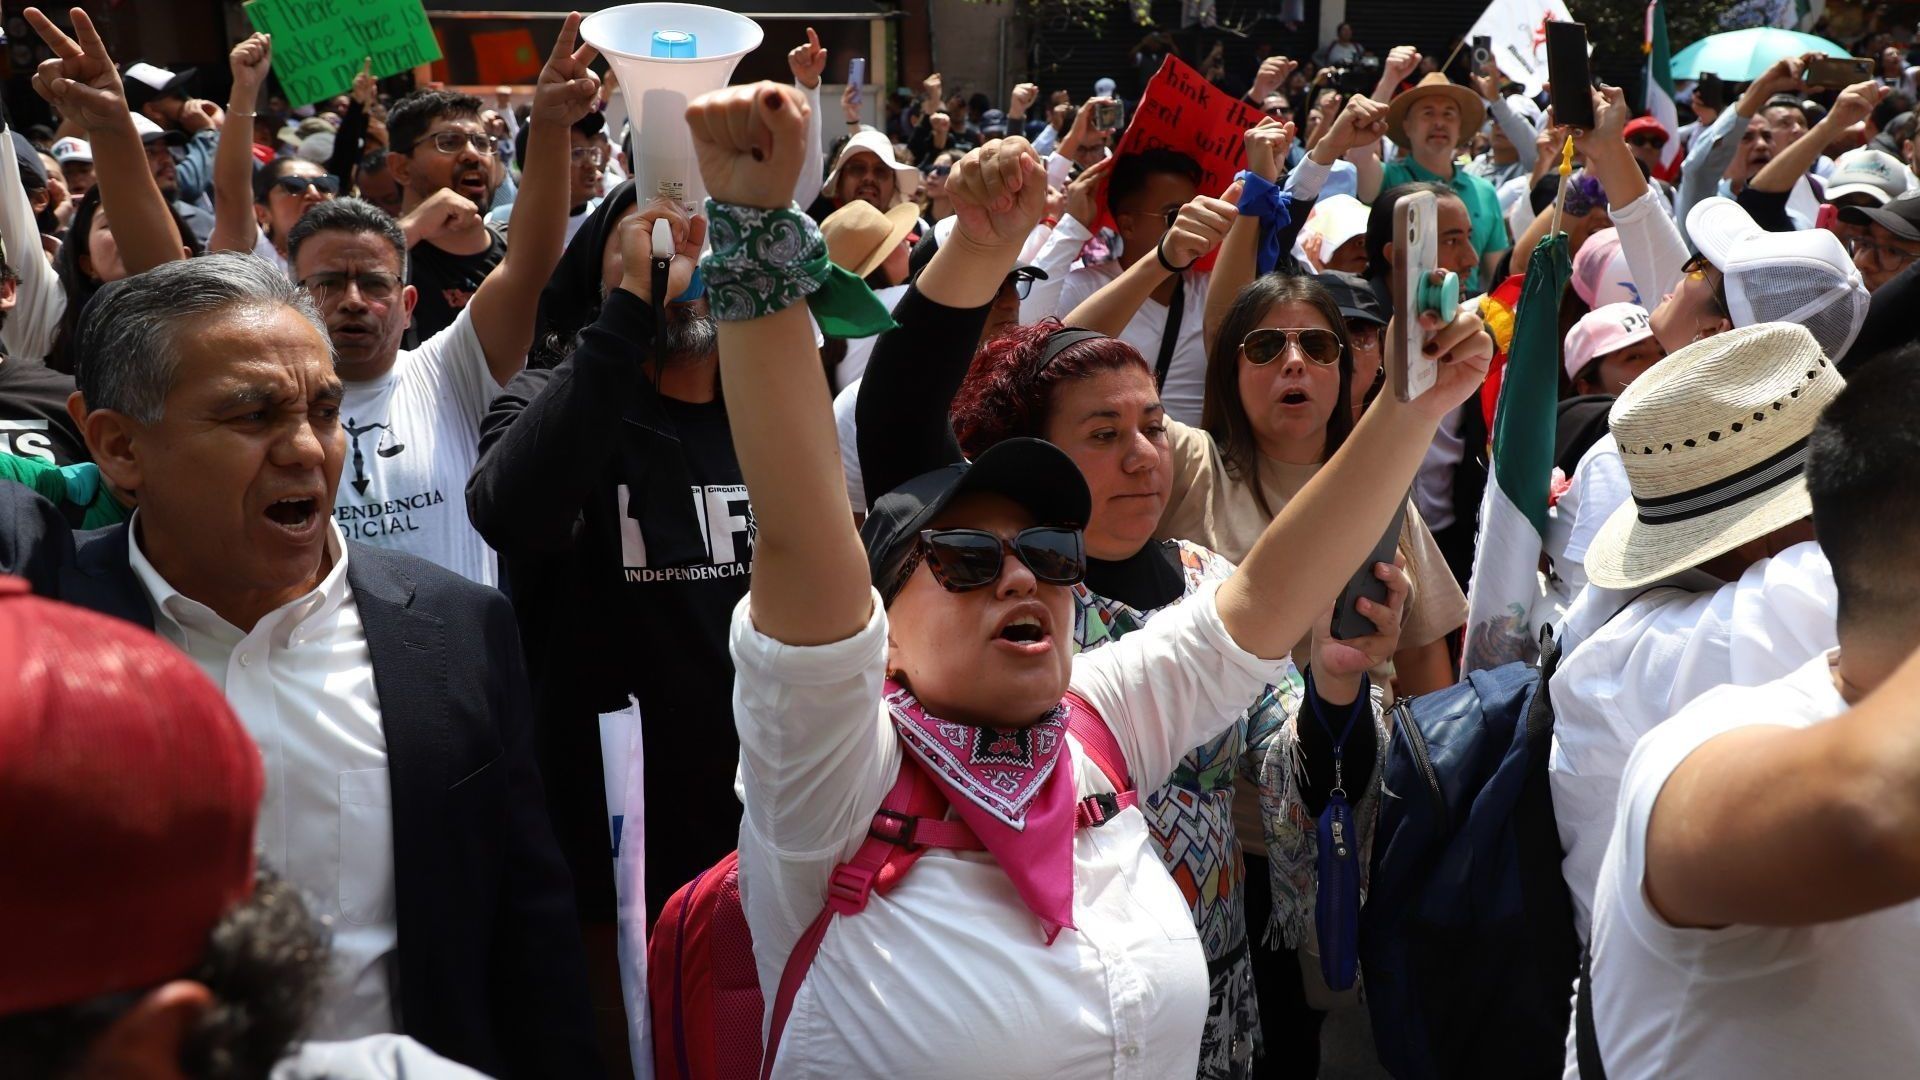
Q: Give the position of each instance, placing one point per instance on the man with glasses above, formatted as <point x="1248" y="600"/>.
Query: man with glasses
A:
<point x="443" y="158"/>
<point x="412" y="416"/>
<point x="165" y="168"/>
<point x="589" y="164"/>
<point x="1891" y="241"/>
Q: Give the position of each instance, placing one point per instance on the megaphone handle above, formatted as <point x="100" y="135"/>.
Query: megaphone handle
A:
<point x="660" y="266"/>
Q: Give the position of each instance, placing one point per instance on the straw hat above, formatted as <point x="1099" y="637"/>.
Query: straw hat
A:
<point x="1714" y="441"/>
<point x="1473" y="111"/>
<point x="859" y="238"/>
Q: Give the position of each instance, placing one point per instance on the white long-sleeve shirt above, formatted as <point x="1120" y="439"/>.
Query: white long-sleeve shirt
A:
<point x="948" y="975"/>
<point x="40" y="302"/>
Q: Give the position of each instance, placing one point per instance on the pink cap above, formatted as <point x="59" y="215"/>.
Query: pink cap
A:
<point x="1600" y="273"/>
<point x="1605" y="330"/>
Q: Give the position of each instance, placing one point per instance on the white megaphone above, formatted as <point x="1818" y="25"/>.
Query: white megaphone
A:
<point x="666" y="55"/>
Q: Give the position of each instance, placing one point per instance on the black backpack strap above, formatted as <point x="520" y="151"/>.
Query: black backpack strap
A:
<point x="1170" y="337"/>
<point x="1586" y="1043"/>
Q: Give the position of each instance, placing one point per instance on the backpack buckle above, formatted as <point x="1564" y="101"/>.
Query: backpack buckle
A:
<point x="901" y="835"/>
<point x="1099" y="809"/>
<point x="848" y="888"/>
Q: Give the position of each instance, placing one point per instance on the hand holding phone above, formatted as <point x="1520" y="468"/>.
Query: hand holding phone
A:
<point x="1837" y="73"/>
<point x="1567" y="70"/>
<point x="1419" y="287"/>
<point x="1348" y="621"/>
<point x="1106" y="115"/>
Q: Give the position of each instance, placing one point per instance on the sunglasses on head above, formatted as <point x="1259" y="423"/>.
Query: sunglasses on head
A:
<point x="1266" y="345"/>
<point x="962" y="560"/>
<point x="298" y="185"/>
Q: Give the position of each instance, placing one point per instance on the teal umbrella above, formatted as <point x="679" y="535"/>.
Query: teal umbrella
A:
<point x="1742" y="55"/>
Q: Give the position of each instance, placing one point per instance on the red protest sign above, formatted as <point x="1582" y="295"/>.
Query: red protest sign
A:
<point x="1182" y="111"/>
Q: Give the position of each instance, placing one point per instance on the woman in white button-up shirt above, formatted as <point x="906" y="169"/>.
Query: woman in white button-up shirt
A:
<point x="951" y="973"/>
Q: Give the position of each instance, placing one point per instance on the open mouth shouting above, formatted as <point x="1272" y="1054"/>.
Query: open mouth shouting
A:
<point x="297" y="517"/>
<point x="1025" y="630"/>
<point x="472" y="182"/>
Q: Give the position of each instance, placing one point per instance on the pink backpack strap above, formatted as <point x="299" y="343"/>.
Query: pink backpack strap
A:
<point x="911" y="819"/>
<point x="1097" y="739"/>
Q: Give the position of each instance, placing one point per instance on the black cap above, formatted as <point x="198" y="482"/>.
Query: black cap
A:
<point x="993" y="122"/>
<point x="139" y="91"/>
<point x="33" y="171"/>
<point x="1032" y="472"/>
<point x="1901" y="215"/>
<point x="1354" y="296"/>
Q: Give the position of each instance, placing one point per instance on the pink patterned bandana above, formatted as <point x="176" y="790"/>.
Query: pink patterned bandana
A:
<point x="1002" y="782"/>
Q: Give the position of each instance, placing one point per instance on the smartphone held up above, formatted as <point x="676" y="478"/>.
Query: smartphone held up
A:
<point x="1420" y="288"/>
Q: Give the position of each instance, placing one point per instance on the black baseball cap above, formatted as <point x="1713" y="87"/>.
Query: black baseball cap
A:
<point x="1354" y="296"/>
<point x="1901" y="215"/>
<point x="1032" y="472"/>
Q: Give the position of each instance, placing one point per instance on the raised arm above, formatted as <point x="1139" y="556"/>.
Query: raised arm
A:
<point x="808" y="62"/>
<point x="1778" y="826"/>
<point x="234" y="226"/>
<point x="1649" y="235"/>
<point x="998" y="192"/>
<point x="81" y="81"/>
<point x="349" y="142"/>
<point x="810" y="580"/>
<point x="1199" y="228"/>
<point x="1854" y="104"/>
<point x="1304" y="558"/>
<point x="1400" y="63"/>
<point x="1267" y="145"/>
<point x="39" y="299"/>
<point x="502" y="308"/>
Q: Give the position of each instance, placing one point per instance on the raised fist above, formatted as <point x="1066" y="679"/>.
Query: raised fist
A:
<point x="750" y="141"/>
<point x="999" y="192"/>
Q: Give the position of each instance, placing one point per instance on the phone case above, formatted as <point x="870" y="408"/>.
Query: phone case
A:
<point x="1568" y="70"/>
<point x="1348" y="623"/>
<point x="1417" y="245"/>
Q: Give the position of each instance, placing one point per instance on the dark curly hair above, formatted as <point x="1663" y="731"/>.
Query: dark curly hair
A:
<point x="264" y="962"/>
<point x="411" y="116"/>
<point x="1008" y="393"/>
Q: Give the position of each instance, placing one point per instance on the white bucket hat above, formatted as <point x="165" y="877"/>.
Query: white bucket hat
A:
<point x="1714" y="441"/>
<point x="906" y="178"/>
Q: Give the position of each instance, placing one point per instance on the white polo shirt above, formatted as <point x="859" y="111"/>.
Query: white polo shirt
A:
<point x="949" y="974"/>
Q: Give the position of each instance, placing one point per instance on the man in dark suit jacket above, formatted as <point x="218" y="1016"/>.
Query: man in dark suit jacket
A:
<point x="456" y="926"/>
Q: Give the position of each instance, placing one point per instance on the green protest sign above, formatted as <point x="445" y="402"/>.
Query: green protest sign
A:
<point x="319" y="45"/>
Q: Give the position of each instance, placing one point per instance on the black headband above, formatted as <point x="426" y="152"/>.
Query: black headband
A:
<point x="1064" y="339"/>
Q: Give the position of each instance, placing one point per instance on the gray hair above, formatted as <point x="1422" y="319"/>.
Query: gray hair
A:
<point x="125" y="356"/>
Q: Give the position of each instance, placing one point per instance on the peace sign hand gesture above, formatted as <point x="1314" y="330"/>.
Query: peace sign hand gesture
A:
<point x="567" y="88"/>
<point x="80" y="80"/>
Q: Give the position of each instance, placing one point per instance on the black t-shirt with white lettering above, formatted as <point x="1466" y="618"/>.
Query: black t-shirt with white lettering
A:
<point x="446" y="282"/>
<point x="33" y="414"/>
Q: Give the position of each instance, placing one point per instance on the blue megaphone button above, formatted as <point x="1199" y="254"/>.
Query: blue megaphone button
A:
<point x="673" y="44"/>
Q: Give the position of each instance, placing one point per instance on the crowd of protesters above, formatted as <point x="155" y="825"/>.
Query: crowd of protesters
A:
<point x="961" y="497"/>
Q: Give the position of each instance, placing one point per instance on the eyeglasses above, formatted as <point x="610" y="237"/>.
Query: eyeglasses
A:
<point x="589" y="153"/>
<point x="1646" y="140"/>
<point x="940" y="170"/>
<point x="1884" y="254"/>
<point x="1021" y="285"/>
<point x="1266" y="345"/>
<point x="962" y="560"/>
<point x="1695" y="269"/>
<point x="1170" y="215"/>
<point x="375" y="286"/>
<point x="297" y="186"/>
<point x="451" y="142"/>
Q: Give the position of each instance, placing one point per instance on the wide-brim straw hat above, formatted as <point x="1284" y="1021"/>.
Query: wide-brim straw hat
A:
<point x="1714" y="441"/>
<point x="1473" y="111"/>
<point x="859" y="238"/>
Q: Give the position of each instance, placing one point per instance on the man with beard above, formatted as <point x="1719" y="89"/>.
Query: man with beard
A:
<point x="166" y="173"/>
<point x="412" y="416"/>
<point x="442" y="156"/>
<point x="865" y="168"/>
<point x="608" y="484"/>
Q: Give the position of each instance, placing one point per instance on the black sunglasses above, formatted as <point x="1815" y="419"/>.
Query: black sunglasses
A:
<point x="1646" y="140"/>
<point x="298" y="185"/>
<point x="965" y="559"/>
<point x="1319" y="346"/>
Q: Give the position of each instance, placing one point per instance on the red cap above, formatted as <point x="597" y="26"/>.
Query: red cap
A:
<point x="128" y="792"/>
<point x="1641" y="124"/>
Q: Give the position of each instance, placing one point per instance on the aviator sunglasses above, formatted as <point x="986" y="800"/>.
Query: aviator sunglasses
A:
<point x="1266" y="345"/>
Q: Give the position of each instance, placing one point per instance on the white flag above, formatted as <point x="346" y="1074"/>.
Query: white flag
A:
<point x="1519" y="32"/>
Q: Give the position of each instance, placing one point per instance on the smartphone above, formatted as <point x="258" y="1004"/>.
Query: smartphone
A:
<point x="1710" y="91"/>
<point x="1483" y="54"/>
<point x="1416" y="255"/>
<point x="1567" y="70"/>
<point x="1838" y="73"/>
<point x="1106" y="115"/>
<point x="1348" y="622"/>
<point x="857" y="76"/>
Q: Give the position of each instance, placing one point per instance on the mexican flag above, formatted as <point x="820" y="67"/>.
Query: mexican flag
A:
<point x="1660" y="87"/>
<point x="1513" y="513"/>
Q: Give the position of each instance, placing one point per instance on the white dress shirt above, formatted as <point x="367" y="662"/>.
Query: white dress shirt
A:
<point x="302" y="683"/>
<point x="1186" y="384"/>
<point x="949" y="974"/>
<point x="1666" y="648"/>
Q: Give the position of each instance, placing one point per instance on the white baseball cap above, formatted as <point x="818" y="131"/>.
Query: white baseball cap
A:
<point x="1802" y="277"/>
<point x="1336" y="219"/>
<point x="72" y="149"/>
<point x="1602" y="331"/>
<point x="1868" y="172"/>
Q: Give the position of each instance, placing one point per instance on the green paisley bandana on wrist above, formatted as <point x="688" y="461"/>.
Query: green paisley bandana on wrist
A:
<point x="764" y="260"/>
